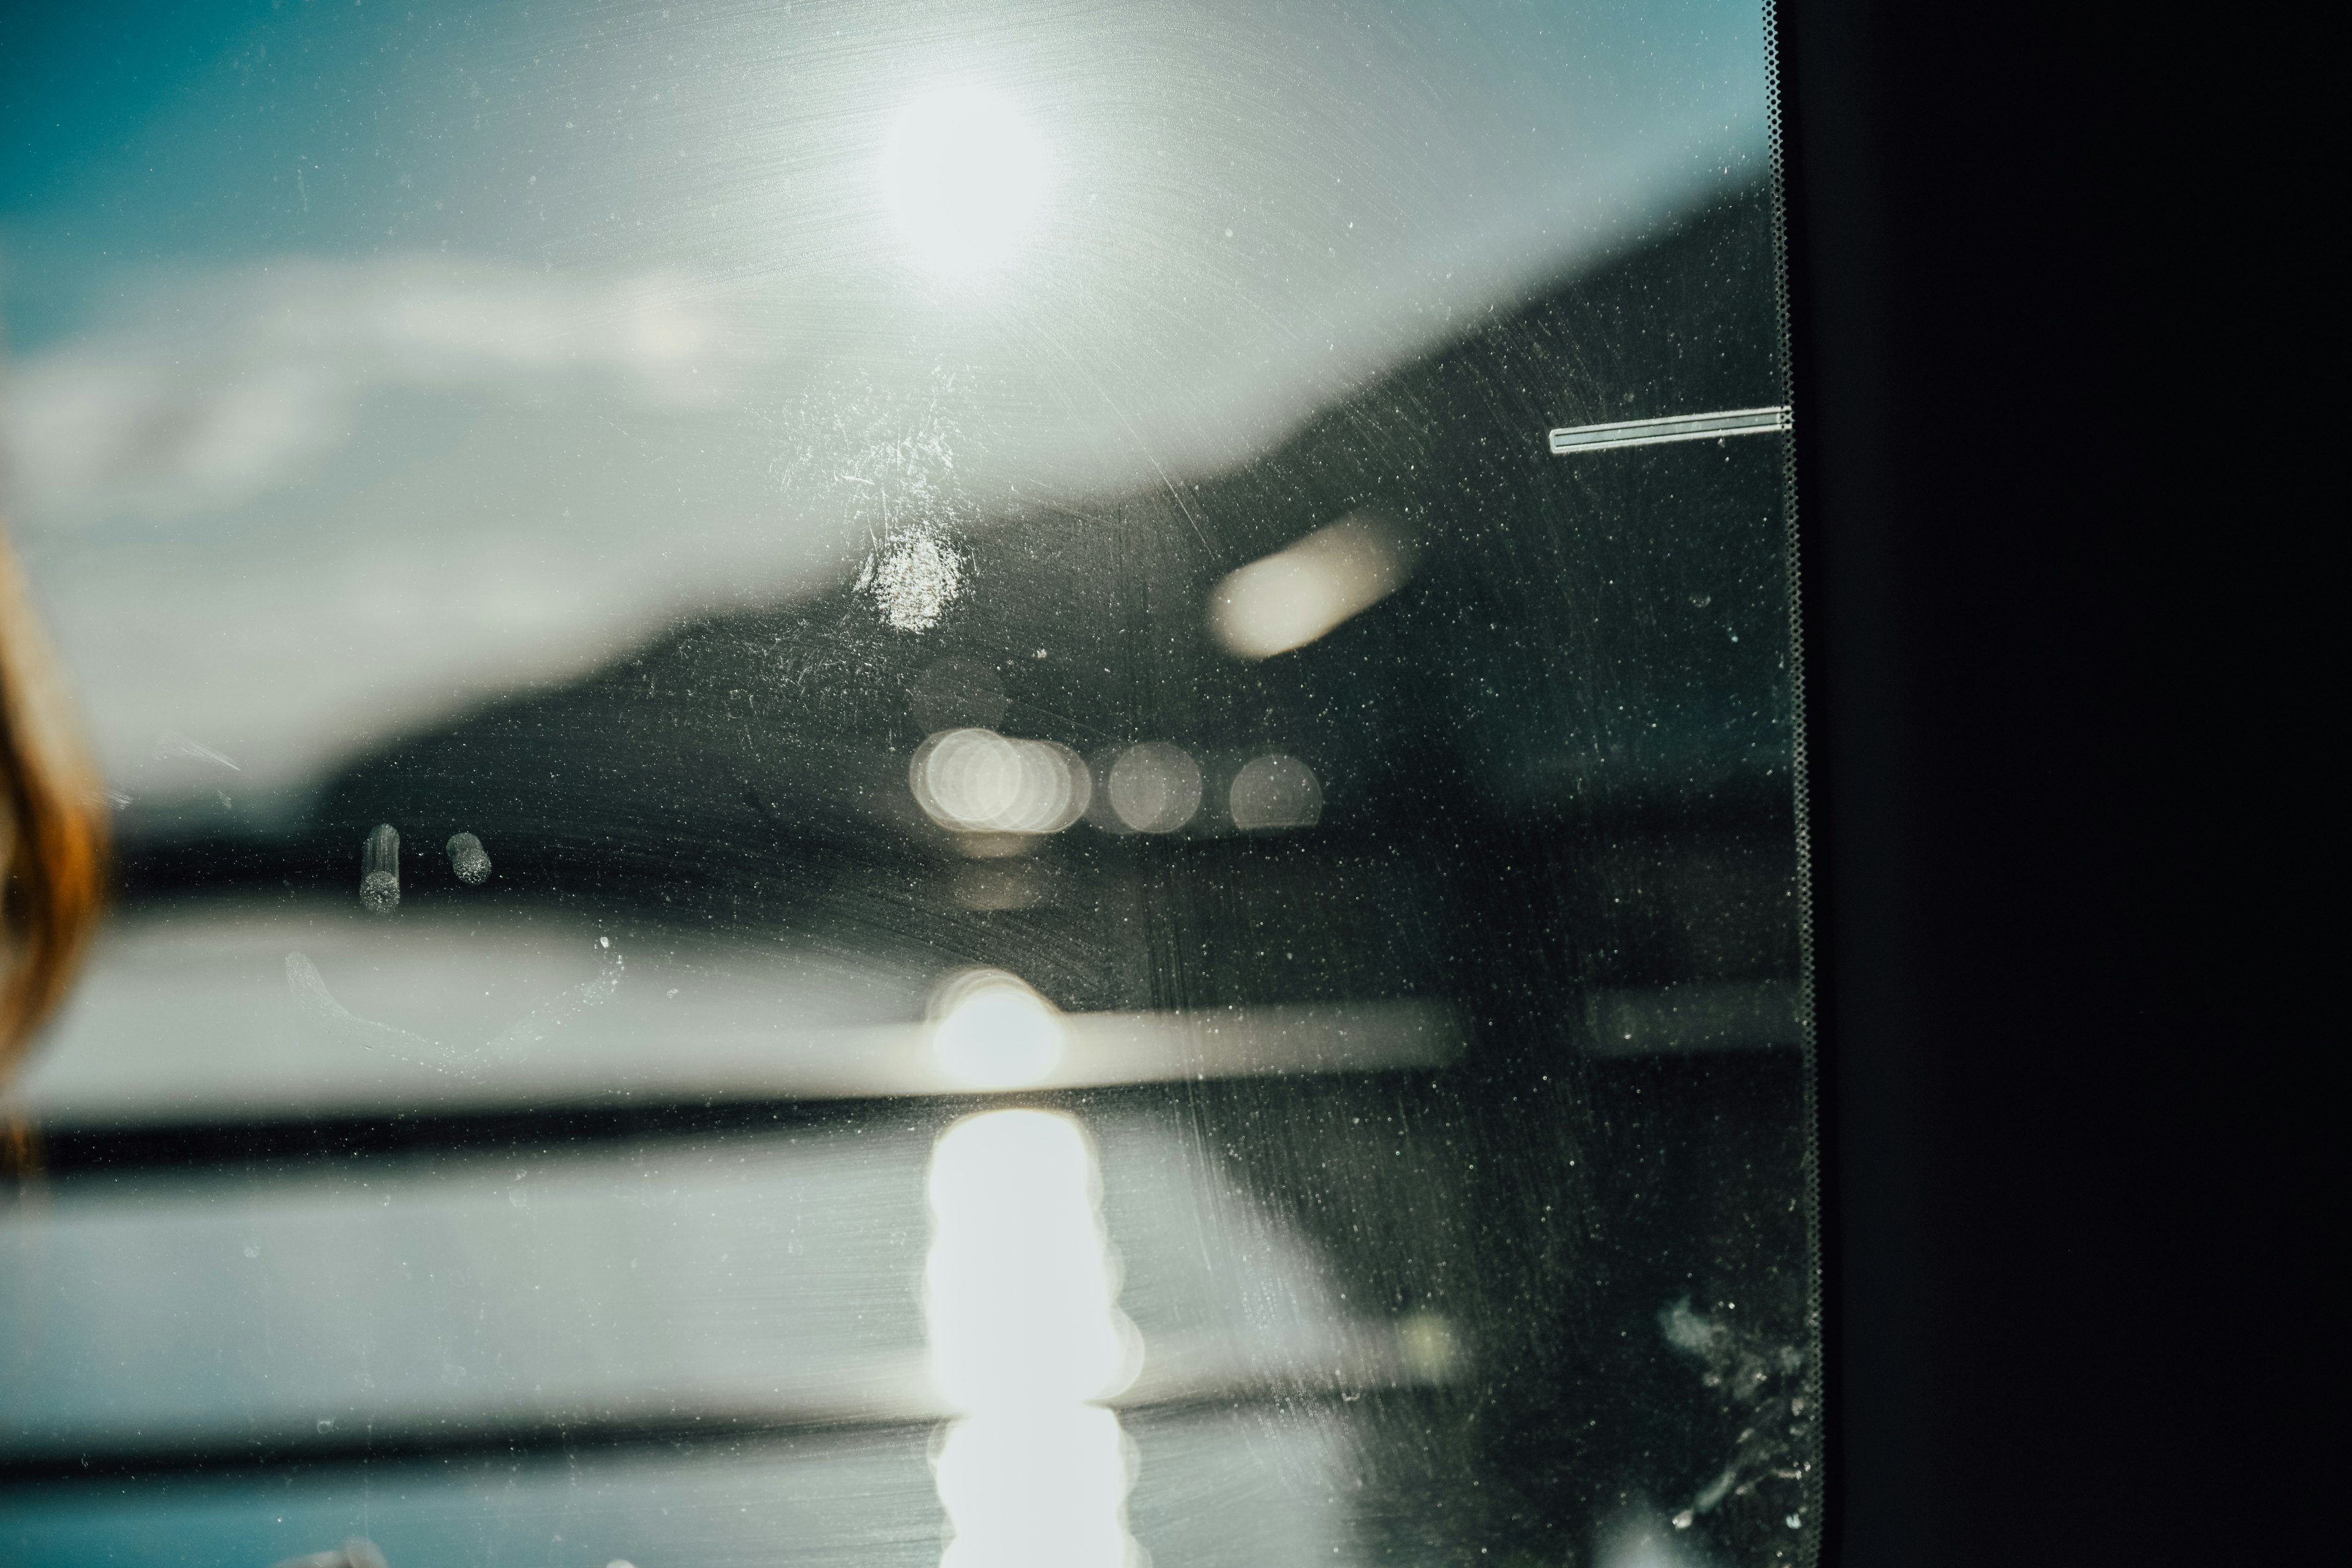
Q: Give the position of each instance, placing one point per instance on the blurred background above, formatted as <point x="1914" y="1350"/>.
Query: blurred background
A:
<point x="1056" y="894"/>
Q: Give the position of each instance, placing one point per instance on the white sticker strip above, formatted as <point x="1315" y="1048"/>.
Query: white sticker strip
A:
<point x="1657" y="432"/>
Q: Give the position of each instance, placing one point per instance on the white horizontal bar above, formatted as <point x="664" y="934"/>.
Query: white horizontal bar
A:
<point x="191" y="1019"/>
<point x="1658" y="432"/>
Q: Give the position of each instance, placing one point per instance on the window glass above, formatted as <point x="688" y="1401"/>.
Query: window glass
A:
<point x="985" y="785"/>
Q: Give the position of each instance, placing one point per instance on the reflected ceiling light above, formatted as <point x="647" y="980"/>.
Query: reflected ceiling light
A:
<point x="1276" y="791"/>
<point x="977" y="781"/>
<point x="962" y="175"/>
<point x="991" y="1031"/>
<point x="1154" y="787"/>
<point x="1295" y="595"/>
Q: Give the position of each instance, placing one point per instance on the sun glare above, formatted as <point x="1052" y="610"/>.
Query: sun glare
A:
<point x="964" y="175"/>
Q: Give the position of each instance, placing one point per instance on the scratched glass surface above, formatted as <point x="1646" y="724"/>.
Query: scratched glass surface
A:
<point x="985" y="785"/>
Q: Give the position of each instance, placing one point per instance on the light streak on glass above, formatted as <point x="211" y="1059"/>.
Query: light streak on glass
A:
<point x="1020" y="1299"/>
<point x="1297" y="595"/>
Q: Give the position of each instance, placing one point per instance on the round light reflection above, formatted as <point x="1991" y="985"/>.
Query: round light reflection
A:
<point x="977" y="781"/>
<point x="1154" y="787"/>
<point x="1276" y="791"/>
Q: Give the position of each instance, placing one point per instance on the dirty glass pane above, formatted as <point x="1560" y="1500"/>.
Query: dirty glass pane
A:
<point x="980" y="784"/>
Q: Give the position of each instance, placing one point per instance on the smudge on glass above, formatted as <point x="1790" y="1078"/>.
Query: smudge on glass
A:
<point x="380" y="870"/>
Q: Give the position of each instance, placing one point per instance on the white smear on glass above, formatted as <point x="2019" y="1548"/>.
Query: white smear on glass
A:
<point x="913" y="578"/>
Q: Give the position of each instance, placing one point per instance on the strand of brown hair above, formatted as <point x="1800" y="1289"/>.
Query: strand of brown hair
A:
<point x="53" y="830"/>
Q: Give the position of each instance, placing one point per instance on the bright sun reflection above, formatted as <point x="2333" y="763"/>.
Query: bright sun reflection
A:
<point x="964" y="175"/>
<point x="1020" y="1296"/>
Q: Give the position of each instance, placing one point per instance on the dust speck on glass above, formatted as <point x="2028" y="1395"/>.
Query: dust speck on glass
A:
<point x="1107" y="698"/>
